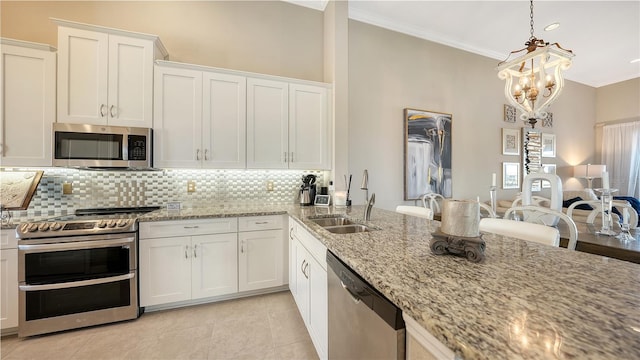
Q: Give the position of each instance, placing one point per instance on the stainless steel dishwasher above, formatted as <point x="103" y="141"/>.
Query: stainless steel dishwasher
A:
<point x="363" y="324"/>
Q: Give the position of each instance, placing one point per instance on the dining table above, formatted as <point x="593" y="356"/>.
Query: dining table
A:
<point x="590" y="241"/>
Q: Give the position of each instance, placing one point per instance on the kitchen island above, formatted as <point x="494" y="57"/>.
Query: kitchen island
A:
<point x="525" y="300"/>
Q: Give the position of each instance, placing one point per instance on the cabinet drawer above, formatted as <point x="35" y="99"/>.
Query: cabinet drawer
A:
<point x="188" y="227"/>
<point x="8" y="239"/>
<point x="253" y="223"/>
<point x="314" y="246"/>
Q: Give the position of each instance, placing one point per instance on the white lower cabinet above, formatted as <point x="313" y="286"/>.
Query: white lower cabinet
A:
<point x="196" y="259"/>
<point x="308" y="284"/>
<point x="260" y="259"/>
<point x="262" y="252"/>
<point x="177" y="268"/>
<point x="213" y="269"/>
<point x="8" y="280"/>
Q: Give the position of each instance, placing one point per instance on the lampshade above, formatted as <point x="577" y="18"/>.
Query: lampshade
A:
<point x="534" y="80"/>
<point x="588" y="171"/>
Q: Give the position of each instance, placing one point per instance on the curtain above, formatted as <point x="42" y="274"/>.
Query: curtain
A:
<point x="621" y="154"/>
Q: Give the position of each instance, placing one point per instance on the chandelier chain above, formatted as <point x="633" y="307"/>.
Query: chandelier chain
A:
<point x="531" y="20"/>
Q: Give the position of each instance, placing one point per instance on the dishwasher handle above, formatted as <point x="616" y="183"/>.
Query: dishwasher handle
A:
<point x="355" y="298"/>
<point x="362" y="292"/>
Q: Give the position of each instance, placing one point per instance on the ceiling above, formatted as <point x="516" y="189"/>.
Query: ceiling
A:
<point x="604" y="35"/>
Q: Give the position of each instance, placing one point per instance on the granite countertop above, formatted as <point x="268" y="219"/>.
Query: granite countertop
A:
<point x="526" y="300"/>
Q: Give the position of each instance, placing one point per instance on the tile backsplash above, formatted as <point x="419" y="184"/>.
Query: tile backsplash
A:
<point x="96" y="189"/>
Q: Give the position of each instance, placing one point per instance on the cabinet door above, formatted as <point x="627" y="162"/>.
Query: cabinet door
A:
<point x="82" y="76"/>
<point x="214" y="265"/>
<point x="165" y="270"/>
<point x="9" y="288"/>
<point x="224" y="114"/>
<point x="261" y="259"/>
<point x="318" y="310"/>
<point x="267" y="124"/>
<point x="302" y="282"/>
<point x="177" y="127"/>
<point x="309" y="140"/>
<point x="28" y="106"/>
<point x="130" y="82"/>
<point x="292" y="258"/>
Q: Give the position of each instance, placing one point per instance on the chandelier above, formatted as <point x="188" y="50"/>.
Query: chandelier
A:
<point x="533" y="81"/>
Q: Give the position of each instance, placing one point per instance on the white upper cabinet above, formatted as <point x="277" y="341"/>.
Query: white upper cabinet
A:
<point x="287" y="125"/>
<point x="105" y="76"/>
<point x="200" y="117"/>
<point x="224" y="120"/>
<point x="267" y="124"/>
<point x="28" y="103"/>
<point x="177" y="126"/>
<point x="309" y="140"/>
<point x="215" y="118"/>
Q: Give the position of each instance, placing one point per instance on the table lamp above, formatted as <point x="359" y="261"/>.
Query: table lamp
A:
<point x="589" y="172"/>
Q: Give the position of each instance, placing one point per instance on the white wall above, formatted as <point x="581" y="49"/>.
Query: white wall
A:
<point x="389" y="71"/>
<point x="270" y="37"/>
<point x="615" y="103"/>
<point x="620" y="101"/>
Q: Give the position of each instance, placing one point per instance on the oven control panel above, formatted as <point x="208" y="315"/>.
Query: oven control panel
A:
<point x="88" y="227"/>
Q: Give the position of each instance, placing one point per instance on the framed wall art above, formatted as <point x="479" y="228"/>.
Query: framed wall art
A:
<point x="510" y="175"/>
<point x="548" y="121"/>
<point x="548" y="145"/>
<point x="510" y="141"/>
<point x="509" y="113"/>
<point x="427" y="153"/>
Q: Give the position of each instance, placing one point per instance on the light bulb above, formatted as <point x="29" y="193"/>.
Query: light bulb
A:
<point x="549" y="81"/>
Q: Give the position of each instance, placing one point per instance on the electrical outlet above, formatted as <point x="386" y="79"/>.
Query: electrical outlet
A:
<point x="191" y="186"/>
<point x="270" y="185"/>
<point x="67" y="188"/>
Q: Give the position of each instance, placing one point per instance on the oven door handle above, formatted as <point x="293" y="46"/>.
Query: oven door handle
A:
<point x="80" y="245"/>
<point x="76" y="283"/>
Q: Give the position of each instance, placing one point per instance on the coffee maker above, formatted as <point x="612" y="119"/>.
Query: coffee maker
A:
<point x="307" y="190"/>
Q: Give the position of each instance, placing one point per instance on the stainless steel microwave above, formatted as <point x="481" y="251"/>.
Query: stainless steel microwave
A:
<point x="102" y="147"/>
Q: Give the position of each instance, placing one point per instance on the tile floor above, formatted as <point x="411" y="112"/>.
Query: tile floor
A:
<point x="259" y="327"/>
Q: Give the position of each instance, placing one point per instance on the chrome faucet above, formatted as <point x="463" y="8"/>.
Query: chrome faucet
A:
<point x="367" y="209"/>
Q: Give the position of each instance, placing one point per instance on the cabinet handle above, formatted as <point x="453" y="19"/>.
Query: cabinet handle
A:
<point x="197" y="154"/>
<point x="186" y="251"/>
<point x="103" y="107"/>
<point x="291" y="233"/>
<point x="305" y="271"/>
<point x="111" y="111"/>
<point x="195" y="251"/>
<point x="285" y="156"/>
<point x="242" y="246"/>
<point x="206" y="154"/>
<point x="302" y="267"/>
<point x="191" y="227"/>
<point x="261" y="222"/>
<point x="291" y="157"/>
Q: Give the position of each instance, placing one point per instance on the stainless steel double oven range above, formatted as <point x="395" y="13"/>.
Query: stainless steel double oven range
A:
<point x="78" y="271"/>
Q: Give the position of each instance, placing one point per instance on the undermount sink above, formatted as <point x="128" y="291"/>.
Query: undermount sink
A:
<point x="347" y="229"/>
<point x="332" y="221"/>
<point x="340" y="225"/>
